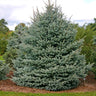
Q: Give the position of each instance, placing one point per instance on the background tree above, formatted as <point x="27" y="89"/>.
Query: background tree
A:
<point x="87" y="32"/>
<point x="3" y="36"/>
<point x="13" y="42"/>
<point x="20" y="24"/>
<point x="3" y="28"/>
<point x="94" y="56"/>
<point x="93" y="25"/>
<point x="48" y="56"/>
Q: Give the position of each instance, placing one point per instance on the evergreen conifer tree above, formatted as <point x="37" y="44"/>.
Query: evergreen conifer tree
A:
<point x="49" y="57"/>
<point x="13" y="43"/>
<point x="94" y="56"/>
<point x="4" y="69"/>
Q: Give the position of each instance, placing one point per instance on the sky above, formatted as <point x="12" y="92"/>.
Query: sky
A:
<point x="20" y="11"/>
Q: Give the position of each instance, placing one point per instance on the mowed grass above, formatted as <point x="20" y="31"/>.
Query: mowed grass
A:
<point x="47" y="94"/>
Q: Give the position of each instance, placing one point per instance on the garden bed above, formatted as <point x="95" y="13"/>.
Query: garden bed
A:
<point x="8" y="85"/>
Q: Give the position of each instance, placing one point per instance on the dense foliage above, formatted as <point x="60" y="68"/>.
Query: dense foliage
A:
<point x="13" y="42"/>
<point x="88" y="32"/>
<point x="3" y="36"/>
<point x="4" y="69"/>
<point x="48" y="57"/>
<point x="94" y="56"/>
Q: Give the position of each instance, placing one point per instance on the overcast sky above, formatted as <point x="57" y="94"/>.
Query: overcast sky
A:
<point x="17" y="11"/>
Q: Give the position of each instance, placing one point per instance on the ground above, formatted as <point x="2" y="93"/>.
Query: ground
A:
<point x="8" y="85"/>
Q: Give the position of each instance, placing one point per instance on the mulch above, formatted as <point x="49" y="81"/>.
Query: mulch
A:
<point x="8" y="85"/>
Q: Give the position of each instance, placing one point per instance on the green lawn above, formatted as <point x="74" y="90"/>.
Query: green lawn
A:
<point x="49" y="94"/>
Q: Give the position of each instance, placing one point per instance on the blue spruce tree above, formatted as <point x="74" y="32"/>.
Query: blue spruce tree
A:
<point x="4" y="70"/>
<point x="49" y="57"/>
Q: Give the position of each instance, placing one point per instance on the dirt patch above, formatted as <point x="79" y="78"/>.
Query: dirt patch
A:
<point x="8" y="85"/>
